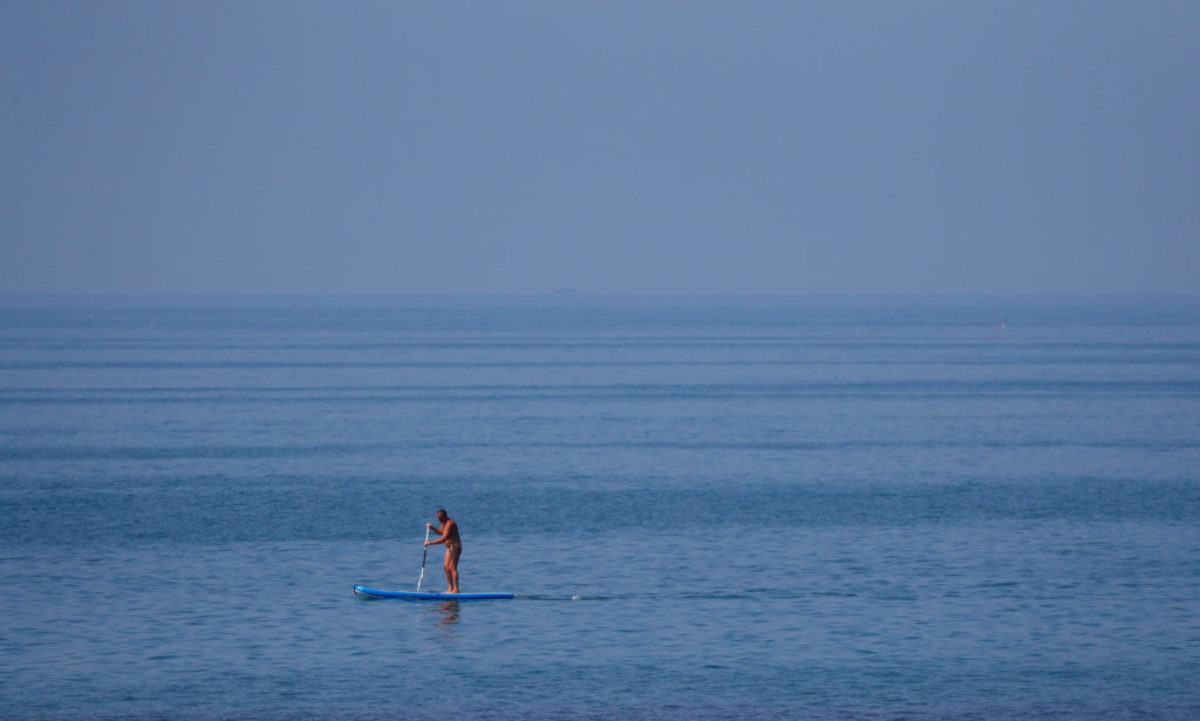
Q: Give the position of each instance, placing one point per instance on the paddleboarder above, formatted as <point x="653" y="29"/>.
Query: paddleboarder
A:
<point x="448" y="534"/>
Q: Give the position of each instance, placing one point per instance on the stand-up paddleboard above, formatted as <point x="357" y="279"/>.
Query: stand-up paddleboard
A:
<point x="426" y="596"/>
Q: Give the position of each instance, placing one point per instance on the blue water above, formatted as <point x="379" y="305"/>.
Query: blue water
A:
<point x="711" y="508"/>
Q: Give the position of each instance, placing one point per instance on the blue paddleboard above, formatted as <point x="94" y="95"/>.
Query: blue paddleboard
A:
<point x="422" y="596"/>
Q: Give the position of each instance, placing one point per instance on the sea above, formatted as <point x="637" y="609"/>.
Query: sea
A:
<point x="835" y="507"/>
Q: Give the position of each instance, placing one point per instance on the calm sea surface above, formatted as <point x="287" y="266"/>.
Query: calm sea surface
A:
<point x="710" y="508"/>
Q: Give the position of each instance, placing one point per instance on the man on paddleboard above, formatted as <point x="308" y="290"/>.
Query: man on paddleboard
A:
<point x="448" y="534"/>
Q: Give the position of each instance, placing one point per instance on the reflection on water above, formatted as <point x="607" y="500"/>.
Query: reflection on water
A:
<point x="448" y="613"/>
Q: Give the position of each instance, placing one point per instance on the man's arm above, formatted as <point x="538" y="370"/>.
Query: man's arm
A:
<point x="442" y="531"/>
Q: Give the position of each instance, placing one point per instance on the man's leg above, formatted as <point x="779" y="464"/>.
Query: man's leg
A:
<point x="452" y="568"/>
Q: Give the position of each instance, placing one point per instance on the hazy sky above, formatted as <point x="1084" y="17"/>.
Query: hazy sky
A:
<point x="690" y="146"/>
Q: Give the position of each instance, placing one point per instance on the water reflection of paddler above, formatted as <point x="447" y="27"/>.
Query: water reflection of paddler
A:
<point x="448" y="612"/>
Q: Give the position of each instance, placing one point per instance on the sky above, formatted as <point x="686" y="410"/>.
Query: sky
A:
<point x="272" y="146"/>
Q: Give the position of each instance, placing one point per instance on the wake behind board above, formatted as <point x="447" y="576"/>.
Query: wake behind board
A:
<point x="424" y="596"/>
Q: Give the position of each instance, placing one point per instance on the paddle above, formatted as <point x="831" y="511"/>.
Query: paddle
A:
<point x="423" y="555"/>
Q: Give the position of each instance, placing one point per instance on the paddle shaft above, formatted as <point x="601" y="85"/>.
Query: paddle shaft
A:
<point x="423" y="555"/>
